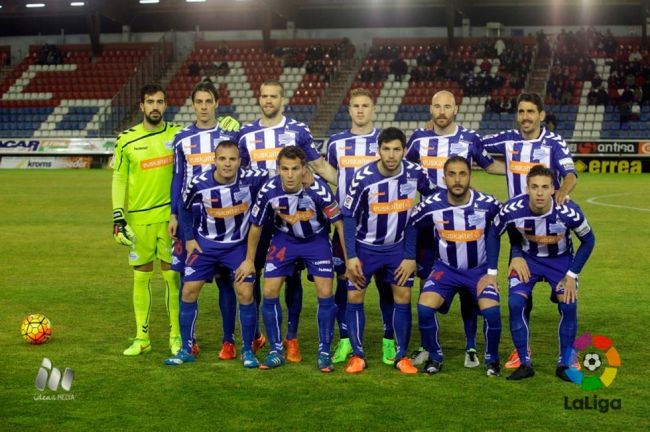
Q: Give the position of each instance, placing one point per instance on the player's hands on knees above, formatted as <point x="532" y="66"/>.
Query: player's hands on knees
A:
<point x="570" y="289"/>
<point x="191" y="246"/>
<point x="405" y="270"/>
<point x="172" y="227"/>
<point x="354" y="273"/>
<point x="520" y="266"/>
<point x="122" y="232"/>
<point x="486" y="281"/>
<point x="247" y="267"/>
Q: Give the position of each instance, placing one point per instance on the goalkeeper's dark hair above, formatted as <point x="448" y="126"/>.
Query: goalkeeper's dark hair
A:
<point x="149" y="89"/>
<point x="293" y="152"/>
<point x="206" y="86"/>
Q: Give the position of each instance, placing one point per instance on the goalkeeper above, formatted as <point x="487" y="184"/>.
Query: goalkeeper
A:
<point x="142" y="175"/>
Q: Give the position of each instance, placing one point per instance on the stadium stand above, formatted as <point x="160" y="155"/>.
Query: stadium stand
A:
<point x="302" y="66"/>
<point x="471" y="72"/>
<point x="64" y="91"/>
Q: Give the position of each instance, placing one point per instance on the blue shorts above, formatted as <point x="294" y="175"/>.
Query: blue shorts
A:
<point x="215" y="257"/>
<point x="426" y="252"/>
<point x="286" y="252"/>
<point x="547" y="269"/>
<point x="447" y="281"/>
<point x="380" y="263"/>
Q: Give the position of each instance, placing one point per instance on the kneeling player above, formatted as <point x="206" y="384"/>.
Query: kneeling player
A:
<point x="224" y="195"/>
<point x="460" y="218"/>
<point x="541" y="249"/>
<point x="301" y="215"/>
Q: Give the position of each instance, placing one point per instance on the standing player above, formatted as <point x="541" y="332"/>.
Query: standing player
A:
<point x="379" y="238"/>
<point x="224" y="196"/>
<point x="460" y="218"/>
<point x="301" y="215"/>
<point x="260" y="143"/>
<point x="194" y="150"/>
<point x="348" y="151"/>
<point x="143" y="167"/>
<point x="541" y="249"/>
<point x="431" y="148"/>
<point x="525" y="148"/>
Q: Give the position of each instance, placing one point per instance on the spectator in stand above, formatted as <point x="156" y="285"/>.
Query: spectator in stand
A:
<point x="194" y="69"/>
<point x="596" y="81"/>
<point x="592" y="97"/>
<point x="602" y="98"/>
<point x="499" y="46"/>
<point x="223" y="69"/>
<point x="399" y="68"/>
<point x="551" y="121"/>
<point x="366" y="74"/>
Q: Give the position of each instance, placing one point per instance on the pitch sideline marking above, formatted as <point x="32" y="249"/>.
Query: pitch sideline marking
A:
<point x="592" y="200"/>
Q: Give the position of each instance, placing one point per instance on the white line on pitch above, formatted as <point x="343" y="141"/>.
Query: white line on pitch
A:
<point x="592" y="200"/>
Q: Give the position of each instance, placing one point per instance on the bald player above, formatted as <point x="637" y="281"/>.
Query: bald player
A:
<point x="431" y="148"/>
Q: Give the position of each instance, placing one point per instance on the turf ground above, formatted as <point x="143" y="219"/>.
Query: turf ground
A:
<point x="60" y="259"/>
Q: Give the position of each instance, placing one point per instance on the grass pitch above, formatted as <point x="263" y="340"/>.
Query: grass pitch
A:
<point x="59" y="259"/>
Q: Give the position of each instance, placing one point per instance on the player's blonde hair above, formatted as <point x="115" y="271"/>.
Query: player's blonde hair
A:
<point x="361" y="92"/>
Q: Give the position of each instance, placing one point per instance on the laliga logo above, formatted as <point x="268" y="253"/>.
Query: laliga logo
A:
<point x="585" y="349"/>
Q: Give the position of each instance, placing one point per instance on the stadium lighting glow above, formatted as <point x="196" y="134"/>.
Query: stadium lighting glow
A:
<point x="77" y="4"/>
<point x="149" y="1"/>
<point x="35" y="5"/>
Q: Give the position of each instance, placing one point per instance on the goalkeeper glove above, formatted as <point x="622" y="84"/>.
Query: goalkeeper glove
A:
<point x="122" y="232"/>
<point x="228" y="124"/>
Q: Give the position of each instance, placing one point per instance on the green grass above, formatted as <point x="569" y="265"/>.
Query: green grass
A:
<point x="59" y="258"/>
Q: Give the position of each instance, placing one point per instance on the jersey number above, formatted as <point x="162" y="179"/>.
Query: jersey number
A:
<point x="279" y="254"/>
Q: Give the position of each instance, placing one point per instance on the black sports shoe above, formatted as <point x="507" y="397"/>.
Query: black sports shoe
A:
<point x="560" y="372"/>
<point x="522" y="372"/>
<point x="493" y="369"/>
<point x="432" y="367"/>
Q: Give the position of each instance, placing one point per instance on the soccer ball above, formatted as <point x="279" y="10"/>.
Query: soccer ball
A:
<point x="36" y="329"/>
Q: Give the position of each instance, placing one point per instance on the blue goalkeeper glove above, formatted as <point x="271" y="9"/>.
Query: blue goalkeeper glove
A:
<point x="228" y="124"/>
<point x="122" y="232"/>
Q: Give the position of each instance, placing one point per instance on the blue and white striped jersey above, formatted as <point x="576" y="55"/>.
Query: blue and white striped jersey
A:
<point x="302" y="214"/>
<point x="459" y="231"/>
<point x="382" y="205"/>
<point x="521" y="155"/>
<point x="225" y="208"/>
<point x="348" y="152"/>
<point x="546" y="235"/>
<point x="260" y="145"/>
<point x="431" y="151"/>
<point x="194" y="154"/>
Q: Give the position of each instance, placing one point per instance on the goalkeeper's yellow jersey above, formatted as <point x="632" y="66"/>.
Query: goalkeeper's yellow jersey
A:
<point x="143" y="161"/>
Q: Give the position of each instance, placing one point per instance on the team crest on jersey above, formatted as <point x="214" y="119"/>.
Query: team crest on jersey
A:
<point x="287" y="138"/>
<point x="556" y="228"/>
<point x="243" y="193"/>
<point x="408" y="188"/>
<point x="306" y="202"/>
<point x="373" y="147"/>
<point x="540" y="153"/>
<point x="459" y="147"/>
<point x="475" y="219"/>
